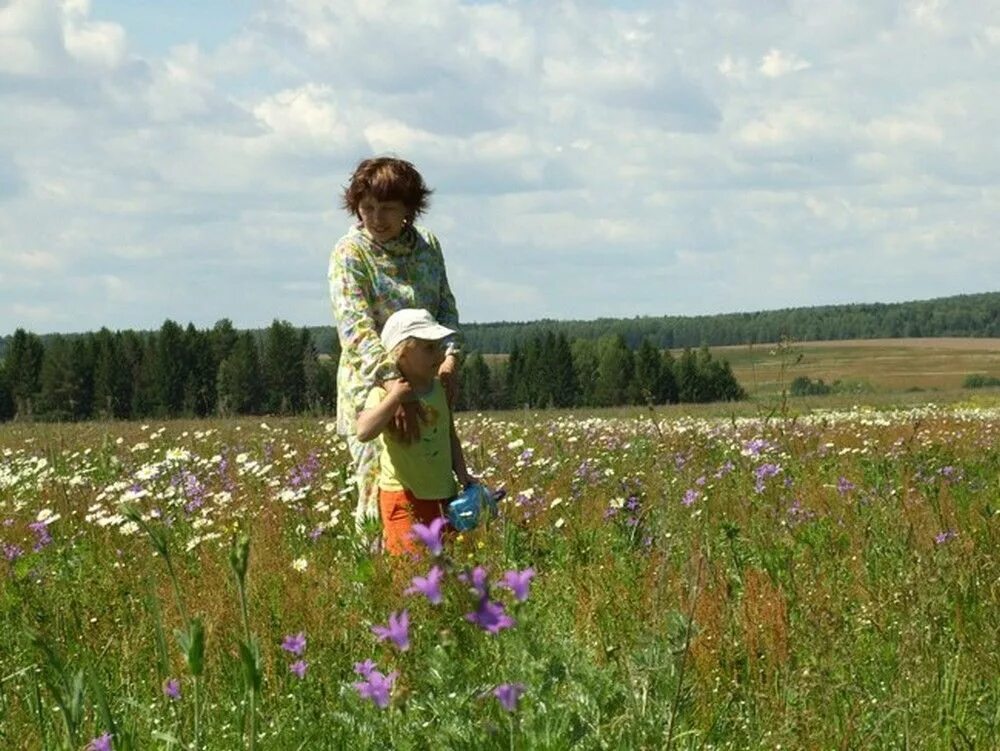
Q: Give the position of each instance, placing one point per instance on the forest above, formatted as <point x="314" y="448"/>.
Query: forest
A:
<point x="184" y="371"/>
<point x="187" y="372"/>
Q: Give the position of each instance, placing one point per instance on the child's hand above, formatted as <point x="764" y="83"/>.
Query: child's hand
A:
<point x="400" y="388"/>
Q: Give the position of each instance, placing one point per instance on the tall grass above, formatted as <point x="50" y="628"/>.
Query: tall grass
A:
<point x="820" y="581"/>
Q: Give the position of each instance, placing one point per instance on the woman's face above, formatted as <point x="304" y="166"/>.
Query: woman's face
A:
<point x="384" y="220"/>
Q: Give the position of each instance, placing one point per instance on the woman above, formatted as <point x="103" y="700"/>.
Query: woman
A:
<point x="384" y="263"/>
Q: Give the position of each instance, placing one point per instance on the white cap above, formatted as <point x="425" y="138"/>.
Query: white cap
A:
<point x="412" y="322"/>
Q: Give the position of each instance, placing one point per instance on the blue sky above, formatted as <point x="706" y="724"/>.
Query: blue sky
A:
<point x="183" y="160"/>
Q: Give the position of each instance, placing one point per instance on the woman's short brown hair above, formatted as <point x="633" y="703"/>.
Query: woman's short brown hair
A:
<point x="387" y="178"/>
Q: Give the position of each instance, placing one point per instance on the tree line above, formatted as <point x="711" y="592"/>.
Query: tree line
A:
<point x="961" y="315"/>
<point x="181" y="372"/>
<point x="550" y="371"/>
<point x="167" y="373"/>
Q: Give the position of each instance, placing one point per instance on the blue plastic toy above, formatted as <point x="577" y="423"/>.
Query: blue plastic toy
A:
<point x="469" y="505"/>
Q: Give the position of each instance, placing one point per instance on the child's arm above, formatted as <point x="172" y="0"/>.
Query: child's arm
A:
<point x="458" y="459"/>
<point x="373" y="420"/>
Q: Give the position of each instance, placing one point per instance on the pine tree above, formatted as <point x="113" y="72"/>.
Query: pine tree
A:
<point x="326" y="385"/>
<point x="240" y="382"/>
<point x="310" y="372"/>
<point x="112" y="376"/>
<point x="649" y="374"/>
<point x="6" y="400"/>
<point x="139" y="352"/>
<point x="62" y="393"/>
<point x="201" y="372"/>
<point x="170" y="369"/>
<point x="283" y="371"/>
<point x="475" y="391"/>
<point x="686" y="375"/>
<point x="615" y="372"/>
<point x="564" y="383"/>
<point x="223" y="337"/>
<point x="24" y="367"/>
<point x="82" y="368"/>
<point x="668" y="383"/>
<point x="514" y="378"/>
<point x="585" y="366"/>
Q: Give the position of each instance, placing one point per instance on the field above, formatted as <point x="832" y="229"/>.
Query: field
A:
<point x="880" y="365"/>
<point x="820" y="579"/>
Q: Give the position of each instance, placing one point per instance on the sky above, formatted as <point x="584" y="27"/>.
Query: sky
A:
<point x="185" y="160"/>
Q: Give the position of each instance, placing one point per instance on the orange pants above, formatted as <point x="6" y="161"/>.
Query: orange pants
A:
<point x="399" y="510"/>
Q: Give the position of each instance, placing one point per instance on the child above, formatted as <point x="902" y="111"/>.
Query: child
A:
<point x="416" y="480"/>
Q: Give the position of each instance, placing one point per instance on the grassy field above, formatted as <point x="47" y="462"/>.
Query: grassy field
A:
<point x="763" y="575"/>
<point x="884" y="365"/>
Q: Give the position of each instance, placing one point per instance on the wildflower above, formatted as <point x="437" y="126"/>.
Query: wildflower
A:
<point x="299" y="667"/>
<point x="375" y="685"/>
<point x="365" y="668"/>
<point x="430" y="535"/>
<point x="690" y="496"/>
<point x="755" y="447"/>
<point x="517" y="582"/>
<point x="300" y="564"/>
<point x="490" y="616"/>
<point x="844" y="486"/>
<point x="476" y="579"/>
<point x="942" y="537"/>
<point x="508" y="694"/>
<point x="724" y="470"/>
<point x="42" y="535"/>
<point x="12" y="552"/>
<point x="172" y="689"/>
<point x="294" y="643"/>
<point x="763" y="472"/>
<point x="397" y="631"/>
<point x="429" y="586"/>
<point x="100" y="743"/>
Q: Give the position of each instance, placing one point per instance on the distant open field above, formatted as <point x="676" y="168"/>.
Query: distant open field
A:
<point x="884" y="364"/>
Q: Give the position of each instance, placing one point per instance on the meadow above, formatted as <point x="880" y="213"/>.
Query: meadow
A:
<point x="866" y="365"/>
<point x="794" y="576"/>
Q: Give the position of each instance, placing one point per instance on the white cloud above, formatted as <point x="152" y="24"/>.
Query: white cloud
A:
<point x="777" y="63"/>
<point x="588" y="160"/>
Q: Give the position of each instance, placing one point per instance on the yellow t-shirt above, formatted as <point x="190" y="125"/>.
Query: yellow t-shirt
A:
<point x="424" y="466"/>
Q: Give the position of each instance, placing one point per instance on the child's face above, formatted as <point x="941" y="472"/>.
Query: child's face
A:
<point x="421" y="359"/>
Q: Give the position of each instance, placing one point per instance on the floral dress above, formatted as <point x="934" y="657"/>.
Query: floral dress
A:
<point x="369" y="281"/>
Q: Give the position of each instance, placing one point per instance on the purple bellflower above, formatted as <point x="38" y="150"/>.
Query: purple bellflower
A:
<point x="490" y="616"/>
<point x="518" y="582"/>
<point x="508" y="694"/>
<point x="429" y="586"/>
<point x="375" y="685"/>
<point x="430" y="535"/>
<point x="294" y="643"/>
<point x="398" y="630"/>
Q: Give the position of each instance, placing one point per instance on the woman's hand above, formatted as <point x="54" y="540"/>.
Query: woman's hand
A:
<point x="449" y="375"/>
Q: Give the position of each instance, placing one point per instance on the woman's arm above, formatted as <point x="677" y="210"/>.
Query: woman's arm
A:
<point x="447" y="315"/>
